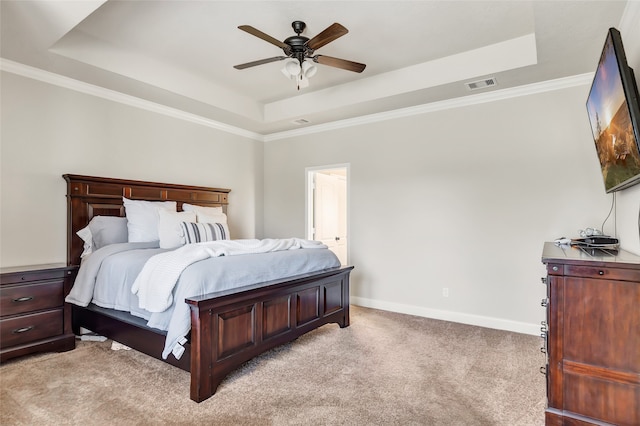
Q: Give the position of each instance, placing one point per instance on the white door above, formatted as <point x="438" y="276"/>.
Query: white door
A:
<point x="330" y="211"/>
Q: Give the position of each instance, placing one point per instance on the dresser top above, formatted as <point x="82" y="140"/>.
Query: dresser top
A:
<point x="552" y="253"/>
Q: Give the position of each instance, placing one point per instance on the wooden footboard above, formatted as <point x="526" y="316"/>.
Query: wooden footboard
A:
<point x="229" y="328"/>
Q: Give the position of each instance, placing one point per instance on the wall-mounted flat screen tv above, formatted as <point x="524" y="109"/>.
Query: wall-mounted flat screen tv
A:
<point x="614" y="113"/>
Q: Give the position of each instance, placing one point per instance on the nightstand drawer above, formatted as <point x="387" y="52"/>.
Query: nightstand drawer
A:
<point x="29" y="328"/>
<point x="24" y="275"/>
<point x="32" y="297"/>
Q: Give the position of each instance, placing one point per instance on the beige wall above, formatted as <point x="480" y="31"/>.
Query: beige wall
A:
<point x="461" y="198"/>
<point x="48" y="131"/>
<point x="628" y="201"/>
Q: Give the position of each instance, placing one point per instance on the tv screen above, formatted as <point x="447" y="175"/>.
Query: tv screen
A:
<point x="614" y="113"/>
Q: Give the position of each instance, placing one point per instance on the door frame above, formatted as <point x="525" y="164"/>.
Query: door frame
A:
<point x="310" y="173"/>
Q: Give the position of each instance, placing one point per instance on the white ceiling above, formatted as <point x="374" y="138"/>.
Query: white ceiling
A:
<point x="180" y="54"/>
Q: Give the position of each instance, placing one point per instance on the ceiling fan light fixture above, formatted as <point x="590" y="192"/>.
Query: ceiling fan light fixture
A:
<point x="293" y="67"/>
<point x="286" y="73"/>
<point x="303" y="82"/>
<point x="308" y="69"/>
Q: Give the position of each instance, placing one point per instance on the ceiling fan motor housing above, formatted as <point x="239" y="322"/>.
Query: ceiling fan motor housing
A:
<point x="297" y="45"/>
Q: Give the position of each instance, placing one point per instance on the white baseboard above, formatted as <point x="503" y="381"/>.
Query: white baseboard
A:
<point x="478" y="320"/>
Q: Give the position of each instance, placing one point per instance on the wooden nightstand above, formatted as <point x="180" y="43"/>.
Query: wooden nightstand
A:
<point x="33" y="315"/>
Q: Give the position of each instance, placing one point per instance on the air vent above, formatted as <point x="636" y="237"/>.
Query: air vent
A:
<point x="301" y="121"/>
<point x="481" y="84"/>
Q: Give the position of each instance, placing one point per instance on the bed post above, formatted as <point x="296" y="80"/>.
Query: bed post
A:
<point x="201" y="344"/>
<point x="345" y="320"/>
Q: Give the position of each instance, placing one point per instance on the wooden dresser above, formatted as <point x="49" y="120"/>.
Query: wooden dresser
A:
<point x="33" y="315"/>
<point x="592" y="337"/>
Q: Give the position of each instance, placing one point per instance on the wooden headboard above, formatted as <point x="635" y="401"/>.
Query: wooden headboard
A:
<point x="89" y="196"/>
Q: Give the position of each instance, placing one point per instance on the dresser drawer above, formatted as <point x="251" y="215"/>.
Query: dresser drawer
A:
<point x="603" y="272"/>
<point x="29" y="328"/>
<point x="31" y="297"/>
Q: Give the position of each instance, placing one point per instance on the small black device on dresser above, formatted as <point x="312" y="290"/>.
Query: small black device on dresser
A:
<point x="33" y="314"/>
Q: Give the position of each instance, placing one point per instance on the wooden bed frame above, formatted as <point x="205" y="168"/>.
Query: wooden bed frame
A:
<point x="228" y="328"/>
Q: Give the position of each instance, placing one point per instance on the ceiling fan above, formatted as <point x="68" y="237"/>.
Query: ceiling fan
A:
<point x="300" y="47"/>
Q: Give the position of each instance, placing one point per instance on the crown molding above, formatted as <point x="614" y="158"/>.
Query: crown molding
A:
<point x="112" y="95"/>
<point x="493" y="96"/>
<point x="115" y="96"/>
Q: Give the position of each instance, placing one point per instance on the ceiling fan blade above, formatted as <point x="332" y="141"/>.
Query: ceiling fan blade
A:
<point x="339" y="63"/>
<point x="265" y="37"/>
<point x="259" y="62"/>
<point x="331" y="33"/>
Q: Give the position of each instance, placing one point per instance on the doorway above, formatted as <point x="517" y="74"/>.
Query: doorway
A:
<point x="327" y="208"/>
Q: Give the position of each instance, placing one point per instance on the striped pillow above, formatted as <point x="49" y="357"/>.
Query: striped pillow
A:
<point x="201" y="232"/>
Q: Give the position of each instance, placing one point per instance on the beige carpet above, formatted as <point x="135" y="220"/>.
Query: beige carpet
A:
<point x="386" y="368"/>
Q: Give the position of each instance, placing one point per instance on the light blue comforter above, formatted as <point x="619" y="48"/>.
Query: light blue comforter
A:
<point x="107" y="275"/>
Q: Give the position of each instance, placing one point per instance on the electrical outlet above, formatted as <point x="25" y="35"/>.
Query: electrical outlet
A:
<point x="445" y="292"/>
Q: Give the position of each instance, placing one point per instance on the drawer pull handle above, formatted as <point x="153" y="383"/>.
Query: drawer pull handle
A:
<point x="22" y="330"/>
<point x="600" y="272"/>
<point x="23" y="299"/>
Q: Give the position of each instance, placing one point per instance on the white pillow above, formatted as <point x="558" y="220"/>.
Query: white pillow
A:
<point x="85" y="234"/>
<point x="170" y="232"/>
<point x="209" y="211"/>
<point x="217" y="218"/>
<point x="107" y="230"/>
<point x="142" y="217"/>
<point x="102" y="231"/>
